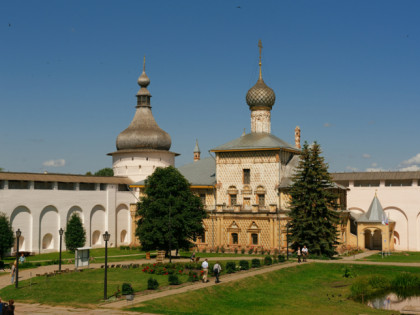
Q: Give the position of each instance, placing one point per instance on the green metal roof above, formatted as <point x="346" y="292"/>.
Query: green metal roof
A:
<point x="375" y="213"/>
<point x="200" y="173"/>
<point x="256" y="141"/>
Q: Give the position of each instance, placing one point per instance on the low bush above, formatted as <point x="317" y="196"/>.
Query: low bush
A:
<point x="361" y="288"/>
<point x="348" y="272"/>
<point x="235" y="250"/>
<point x="174" y="280"/>
<point x="281" y="258"/>
<point x="244" y="264"/>
<point x="127" y="289"/>
<point x="379" y="282"/>
<point x="193" y="276"/>
<point x="152" y="284"/>
<point x="268" y="260"/>
<point x="243" y="251"/>
<point x="405" y="280"/>
<point x="250" y="251"/>
<point x="255" y="263"/>
<point x="1" y="264"/>
<point x="230" y="267"/>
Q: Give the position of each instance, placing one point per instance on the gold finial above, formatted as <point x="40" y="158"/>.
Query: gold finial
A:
<point x="260" y="46"/>
<point x="144" y="63"/>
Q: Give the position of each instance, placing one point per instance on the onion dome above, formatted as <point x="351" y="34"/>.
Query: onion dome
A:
<point x="143" y="132"/>
<point x="260" y="95"/>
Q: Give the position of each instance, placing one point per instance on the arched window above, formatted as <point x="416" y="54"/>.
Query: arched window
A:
<point x="47" y="241"/>
<point x="96" y="238"/>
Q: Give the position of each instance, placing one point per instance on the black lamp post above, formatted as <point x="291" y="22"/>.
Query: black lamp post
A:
<point x="106" y="236"/>
<point x="287" y="240"/>
<point x="18" y="234"/>
<point x="60" y="231"/>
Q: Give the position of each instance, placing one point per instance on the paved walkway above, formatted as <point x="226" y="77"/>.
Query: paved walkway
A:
<point x="115" y="308"/>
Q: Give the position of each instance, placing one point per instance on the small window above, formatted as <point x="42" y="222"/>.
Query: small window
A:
<point x="247" y="176"/>
<point x="396" y="183"/>
<point x="87" y="186"/>
<point x="234" y="238"/>
<point x="18" y="184"/>
<point x="203" y="199"/>
<point x="233" y="200"/>
<point x="66" y="186"/>
<point x="122" y="187"/>
<point x="366" y="183"/>
<point x="1" y="184"/>
<point x="103" y="186"/>
<point x="261" y="200"/>
<point x="254" y="239"/>
<point x="43" y="185"/>
<point x="202" y="238"/>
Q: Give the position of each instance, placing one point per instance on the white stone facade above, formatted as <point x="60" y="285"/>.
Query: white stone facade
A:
<point x="138" y="165"/>
<point x="40" y="213"/>
<point x="400" y="200"/>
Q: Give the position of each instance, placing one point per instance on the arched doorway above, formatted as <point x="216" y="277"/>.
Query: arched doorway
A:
<point x="368" y="239"/>
<point x="377" y="240"/>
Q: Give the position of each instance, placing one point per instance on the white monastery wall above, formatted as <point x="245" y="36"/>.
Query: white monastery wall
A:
<point x="39" y="214"/>
<point x="400" y="203"/>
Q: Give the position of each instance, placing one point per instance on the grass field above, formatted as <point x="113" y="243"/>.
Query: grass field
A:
<point x="81" y="288"/>
<point x="405" y="257"/>
<point x="305" y="289"/>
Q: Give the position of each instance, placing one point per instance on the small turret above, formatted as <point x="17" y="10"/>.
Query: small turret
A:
<point x="197" y="152"/>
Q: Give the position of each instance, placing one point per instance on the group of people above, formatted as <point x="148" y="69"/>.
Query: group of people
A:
<point x="302" y="253"/>
<point x="7" y="308"/>
<point x="217" y="269"/>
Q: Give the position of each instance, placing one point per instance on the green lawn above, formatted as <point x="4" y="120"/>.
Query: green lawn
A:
<point x="304" y="289"/>
<point x="80" y="288"/>
<point x="404" y="257"/>
<point x="98" y="254"/>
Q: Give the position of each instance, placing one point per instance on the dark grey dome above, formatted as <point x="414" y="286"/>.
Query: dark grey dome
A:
<point x="260" y="95"/>
<point x="143" y="131"/>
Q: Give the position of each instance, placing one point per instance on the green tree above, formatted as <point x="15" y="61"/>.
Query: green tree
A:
<point x="105" y="172"/>
<point x="313" y="204"/>
<point x="75" y="235"/>
<point x="6" y="235"/>
<point x="171" y="215"/>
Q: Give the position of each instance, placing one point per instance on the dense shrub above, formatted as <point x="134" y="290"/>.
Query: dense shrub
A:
<point x="348" y="272"/>
<point x="361" y="288"/>
<point x="1" y="264"/>
<point x="281" y="258"/>
<point x="405" y="280"/>
<point x="152" y="284"/>
<point x="222" y="249"/>
<point x="268" y="260"/>
<point x="244" y="264"/>
<point x="193" y="276"/>
<point x="250" y="251"/>
<point x="235" y="250"/>
<point x="255" y="263"/>
<point x="379" y="282"/>
<point x="127" y="289"/>
<point x="174" y="280"/>
<point x="230" y="267"/>
<point x="243" y="251"/>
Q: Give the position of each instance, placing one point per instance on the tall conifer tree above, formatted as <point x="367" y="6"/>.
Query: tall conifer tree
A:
<point x="75" y="235"/>
<point x="313" y="204"/>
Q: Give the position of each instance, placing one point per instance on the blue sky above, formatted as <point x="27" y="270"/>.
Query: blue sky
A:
<point x="346" y="72"/>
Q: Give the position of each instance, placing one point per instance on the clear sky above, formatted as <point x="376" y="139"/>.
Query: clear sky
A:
<point x="346" y="72"/>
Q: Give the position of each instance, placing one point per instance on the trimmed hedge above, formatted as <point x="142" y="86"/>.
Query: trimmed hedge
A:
<point x="255" y="263"/>
<point x="230" y="267"/>
<point x="152" y="284"/>
<point x="244" y="264"/>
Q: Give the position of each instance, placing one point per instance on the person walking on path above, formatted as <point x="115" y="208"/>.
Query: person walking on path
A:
<point x="304" y="253"/>
<point x="217" y="269"/>
<point x="10" y="309"/>
<point x="13" y="272"/>
<point x="205" y="266"/>
<point x="299" y="254"/>
<point x="192" y="256"/>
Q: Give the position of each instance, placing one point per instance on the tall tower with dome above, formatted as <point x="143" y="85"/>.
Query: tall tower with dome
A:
<point x="143" y="146"/>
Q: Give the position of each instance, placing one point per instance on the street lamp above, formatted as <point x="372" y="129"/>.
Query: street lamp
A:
<point x="18" y="234"/>
<point x="106" y="236"/>
<point x="60" y="231"/>
<point x="287" y="240"/>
